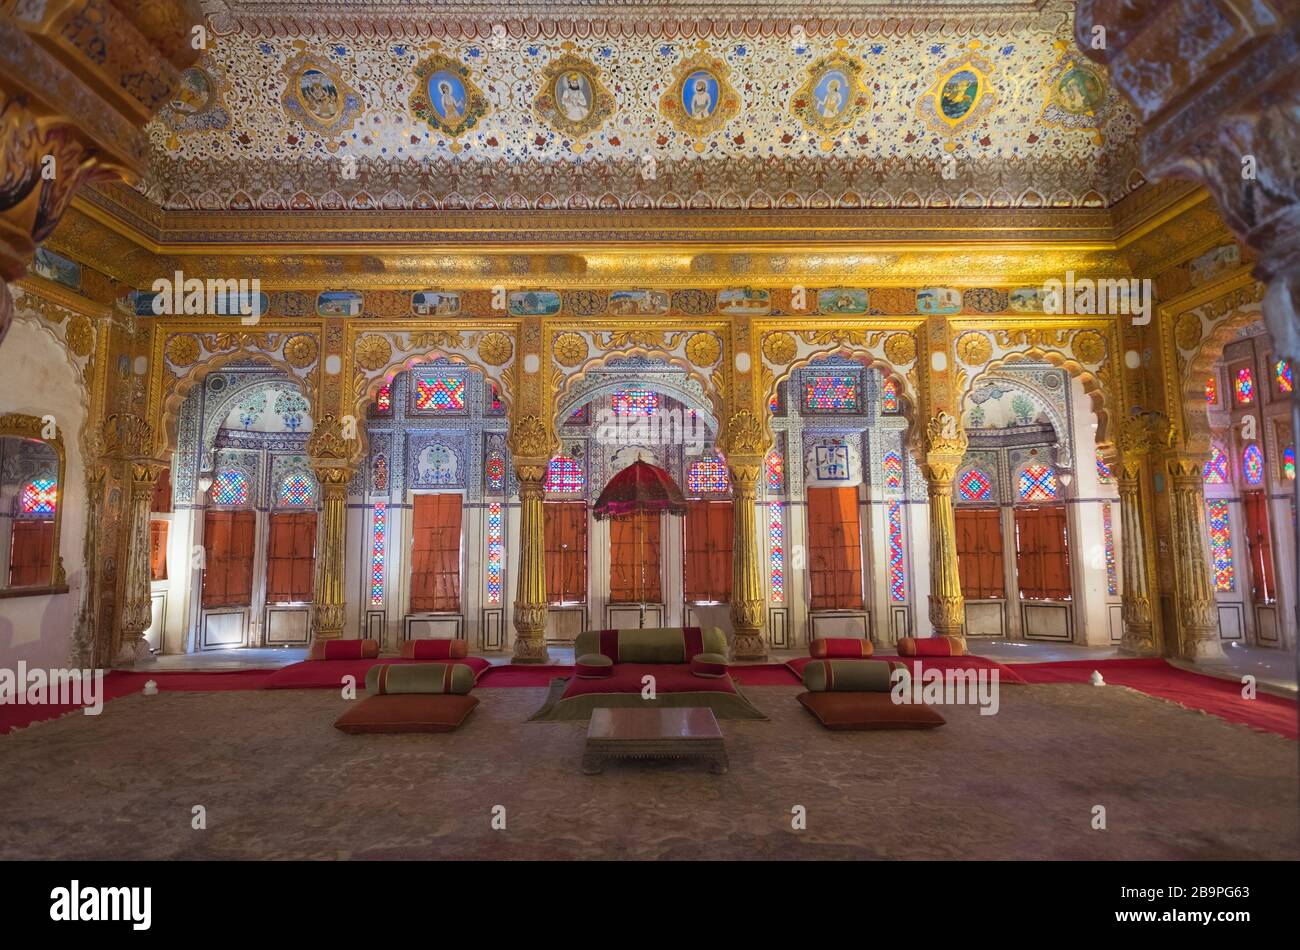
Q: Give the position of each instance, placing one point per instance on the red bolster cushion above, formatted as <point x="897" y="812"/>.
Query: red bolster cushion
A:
<point x="593" y="666"/>
<point x="710" y="665"/>
<point x="838" y="648"/>
<point x="344" y="650"/>
<point x="931" y="646"/>
<point x="439" y="649"/>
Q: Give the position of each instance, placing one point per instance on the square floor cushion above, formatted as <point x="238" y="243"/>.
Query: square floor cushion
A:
<point x="406" y="712"/>
<point x="862" y="711"/>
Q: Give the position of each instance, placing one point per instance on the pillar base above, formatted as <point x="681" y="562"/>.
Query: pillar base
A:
<point x="1137" y="646"/>
<point x="748" y="647"/>
<point x="1202" y="648"/>
<point x="133" y="654"/>
<point x="530" y="651"/>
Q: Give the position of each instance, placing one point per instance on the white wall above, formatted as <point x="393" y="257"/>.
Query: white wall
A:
<point x="37" y="378"/>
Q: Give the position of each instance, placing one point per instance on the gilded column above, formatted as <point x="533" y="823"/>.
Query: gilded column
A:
<point x="330" y="451"/>
<point x="530" y="591"/>
<point x="137" y="602"/>
<point x="1198" y="619"/>
<point x="1135" y="596"/>
<point x="945" y="447"/>
<point x="747" y="599"/>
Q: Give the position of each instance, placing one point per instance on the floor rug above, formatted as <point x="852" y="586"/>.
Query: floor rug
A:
<point x="1155" y="677"/>
<point x="118" y="683"/>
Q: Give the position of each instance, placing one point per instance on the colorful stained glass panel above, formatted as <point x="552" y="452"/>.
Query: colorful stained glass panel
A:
<point x="439" y="392"/>
<point x="1216" y="468"/>
<point x="496" y="547"/>
<point x="565" y="475"/>
<point x="635" y="402"/>
<point x="831" y="393"/>
<point x="40" y="496"/>
<point x="230" y="488"/>
<point x="775" y="471"/>
<point x="776" y="550"/>
<point x="707" y="475"/>
<point x="1288" y="463"/>
<point x="1244" y="386"/>
<point x="892" y="466"/>
<point x="1108" y="540"/>
<point x="975" y="486"/>
<point x="889" y="395"/>
<point x="384" y="399"/>
<point x="897" y="572"/>
<point x="1285" y="378"/>
<point x="1220" y="544"/>
<point x="1104" y="473"/>
<point x="1252" y="464"/>
<point x="1037" y="483"/>
<point x="378" y="541"/>
<point x="1212" y="390"/>
<point x="296" y="490"/>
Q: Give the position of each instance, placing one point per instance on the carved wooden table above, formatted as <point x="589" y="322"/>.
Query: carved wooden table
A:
<point x="653" y="734"/>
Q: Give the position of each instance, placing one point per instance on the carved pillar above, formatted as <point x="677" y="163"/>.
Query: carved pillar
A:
<point x="1198" y="621"/>
<point x="137" y="599"/>
<point x="945" y="448"/>
<point x="747" y="598"/>
<point x="1135" y="597"/>
<point x="530" y="591"/>
<point x="330" y="453"/>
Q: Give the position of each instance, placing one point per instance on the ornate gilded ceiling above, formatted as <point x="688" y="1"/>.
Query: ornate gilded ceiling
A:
<point x="321" y="105"/>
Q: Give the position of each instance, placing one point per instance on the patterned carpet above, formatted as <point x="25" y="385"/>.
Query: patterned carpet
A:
<point x="278" y="781"/>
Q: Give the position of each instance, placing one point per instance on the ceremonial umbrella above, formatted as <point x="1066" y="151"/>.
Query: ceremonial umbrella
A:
<point x="639" y="489"/>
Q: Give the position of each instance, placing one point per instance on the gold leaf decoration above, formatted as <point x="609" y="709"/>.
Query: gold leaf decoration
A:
<point x="182" y="350"/>
<point x="1089" y="347"/>
<point x="703" y="349"/>
<point x="570" y="348"/>
<point x="900" y="348"/>
<point x="974" y="349"/>
<point x="81" y="335"/>
<point x="779" y="348"/>
<point x="373" y="352"/>
<point x="1187" y="332"/>
<point x="495" y="348"/>
<point x="300" y="350"/>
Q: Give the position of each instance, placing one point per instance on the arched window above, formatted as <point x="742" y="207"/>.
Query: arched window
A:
<point x="230" y="487"/>
<point x="297" y="490"/>
<point x="1037" y="483"/>
<point x="564" y="475"/>
<point x="889" y="395"/>
<point x="892" y="465"/>
<point x="1216" y="469"/>
<point x="1252" y="464"/>
<point x="708" y="475"/>
<point x="975" y="485"/>
<point x="38" y="498"/>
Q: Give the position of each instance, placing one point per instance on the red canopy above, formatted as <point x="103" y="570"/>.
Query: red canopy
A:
<point x="641" y="487"/>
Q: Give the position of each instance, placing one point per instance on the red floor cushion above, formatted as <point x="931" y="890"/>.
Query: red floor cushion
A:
<point x="709" y="665"/>
<point x="344" y="650"/>
<point x="827" y="648"/>
<point x="931" y="646"/>
<point x="406" y="712"/>
<point x="439" y="649"/>
<point x="863" y="711"/>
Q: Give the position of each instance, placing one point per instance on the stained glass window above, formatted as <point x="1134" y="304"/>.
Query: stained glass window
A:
<point x="435" y="392"/>
<point x="1104" y="473"/>
<point x="496" y="547"/>
<point x="296" y="490"/>
<point x="384" y="399"/>
<point x="496" y="472"/>
<point x="1108" y="540"/>
<point x="889" y="395"/>
<point x="493" y="399"/>
<point x="1216" y="469"/>
<point x="831" y="393"/>
<point x="892" y="465"/>
<point x="774" y="404"/>
<point x="1212" y="390"/>
<point x="775" y="471"/>
<point x="40" y="496"/>
<point x="381" y="472"/>
<point x="1037" y="483"/>
<point x="1285" y="379"/>
<point x="1288" y="463"/>
<point x="897" y="573"/>
<point x="776" y="550"/>
<point x="378" y="540"/>
<point x="635" y="402"/>
<point x="1245" y="386"/>
<point x="1252" y="464"/>
<point x="1216" y="512"/>
<point x="707" y="475"/>
<point x="564" y="474"/>
<point x="975" y="486"/>
<point x="230" y="488"/>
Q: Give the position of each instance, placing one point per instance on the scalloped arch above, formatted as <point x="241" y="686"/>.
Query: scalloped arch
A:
<point x="715" y="409"/>
<point x="175" y="393"/>
<point x="1197" y="434"/>
<point x="1102" y="401"/>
